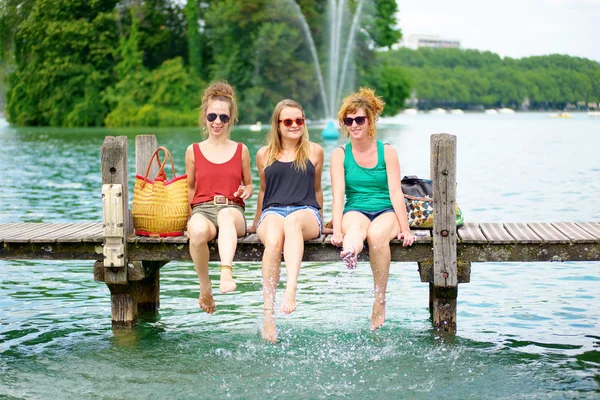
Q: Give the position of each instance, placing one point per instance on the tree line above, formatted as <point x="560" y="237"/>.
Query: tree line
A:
<point x="145" y="63"/>
<point x="473" y="79"/>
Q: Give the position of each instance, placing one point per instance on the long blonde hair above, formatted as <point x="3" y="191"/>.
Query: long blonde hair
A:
<point x="222" y="91"/>
<point x="365" y="98"/>
<point x="274" y="146"/>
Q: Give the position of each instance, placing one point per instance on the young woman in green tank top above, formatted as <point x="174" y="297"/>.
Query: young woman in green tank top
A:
<point x="367" y="173"/>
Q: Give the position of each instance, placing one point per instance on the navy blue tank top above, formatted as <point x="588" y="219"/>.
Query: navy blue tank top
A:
<point x="288" y="186"/>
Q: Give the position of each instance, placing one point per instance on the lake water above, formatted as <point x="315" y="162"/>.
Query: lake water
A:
<point x="525" y="330"/>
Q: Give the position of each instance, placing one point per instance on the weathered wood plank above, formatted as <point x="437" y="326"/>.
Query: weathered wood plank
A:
<point x="48" y="230"/>
<point x="79" y="231"/>
<point x="548" y="233"/>
<point x="445" y="271"/>
<point x="7" y="229"/>
<point x="24" y="230"/>
<point x="53" y="236"/>
<point x="522" y="233"/>
<point x="574" y="233"/>
<point x="471" y="233"/>
<point x="496" y="233"/>
<point x="591" y="227"/>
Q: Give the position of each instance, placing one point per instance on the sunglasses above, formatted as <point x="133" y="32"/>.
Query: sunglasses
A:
<point x="359" y="121"/>
<point x="288" y="122"/>
<point x="223" y="117"/>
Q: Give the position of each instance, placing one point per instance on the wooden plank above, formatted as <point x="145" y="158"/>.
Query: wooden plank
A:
<point x="319" y="239"/>
<point x="94" y="234"/>
<point x="53" y="236"/>
<point x="33" y="232"/>
<point x="77" y="233"/>
<point x="24" y="229"/>
<point x="548" y="233"/>
<point x="574" y="233"/>
<point x="471" y="233"/>
<point x="251" y="238"/>
<point x="522" y="233"/>
<point x="496" y="233"/>
<point x="7" y="228"/>
<point x="591" y="227"/>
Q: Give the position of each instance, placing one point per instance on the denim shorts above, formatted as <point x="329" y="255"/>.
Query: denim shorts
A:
<point x="284" y="211"/>
<point x="372" y="215"/>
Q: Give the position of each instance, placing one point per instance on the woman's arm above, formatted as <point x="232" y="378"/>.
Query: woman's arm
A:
<point x="396" y="195"/>
<point x="338" y="189"/>
<point x="261" y="190"/>
<point x="317" y="158"/>
<point x="190" y="170"/>
<point x="245" y="190"/>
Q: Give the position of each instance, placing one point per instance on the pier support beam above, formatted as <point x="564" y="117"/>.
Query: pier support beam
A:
<point x="444" y="290"/>
<point x="117" y="227"/>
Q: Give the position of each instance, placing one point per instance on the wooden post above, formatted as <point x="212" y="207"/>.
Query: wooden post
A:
<point x="149" y="287"/>
<point x="117" y="226"/>
<point x="445" y="276"/>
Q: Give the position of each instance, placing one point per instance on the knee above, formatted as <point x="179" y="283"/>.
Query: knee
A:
<point x="198" y="235"/>
<point x="378" y="240"/>
<point x="273" y="244"/>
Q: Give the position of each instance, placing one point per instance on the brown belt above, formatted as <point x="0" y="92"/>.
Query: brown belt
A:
<point x="222" y="201"/>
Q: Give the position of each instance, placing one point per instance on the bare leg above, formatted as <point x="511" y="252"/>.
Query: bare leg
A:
<point x="231" y="226"/>
<point x="299" y="226"/>
<point x="382" y="230"/>
<point x="270" y="232"/>
<point x="200" y="230"/>
<point x="354" y="226"/>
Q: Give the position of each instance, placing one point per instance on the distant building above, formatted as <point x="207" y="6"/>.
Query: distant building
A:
<point x="432" y="41"/>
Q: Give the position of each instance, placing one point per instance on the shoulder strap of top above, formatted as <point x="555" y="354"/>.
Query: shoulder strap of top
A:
<point x="198" y="156"/>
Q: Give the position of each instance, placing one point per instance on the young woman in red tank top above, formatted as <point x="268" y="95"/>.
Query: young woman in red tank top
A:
<point x="219" y="180"/>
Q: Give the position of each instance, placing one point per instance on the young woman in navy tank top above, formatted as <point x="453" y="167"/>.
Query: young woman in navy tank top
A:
<point x="289" y="205"/>
<point x="219" y="181"/>
<point x="367" y="174"/>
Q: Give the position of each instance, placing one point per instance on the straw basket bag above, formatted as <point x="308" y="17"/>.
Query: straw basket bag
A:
<point x="160" y="206"/>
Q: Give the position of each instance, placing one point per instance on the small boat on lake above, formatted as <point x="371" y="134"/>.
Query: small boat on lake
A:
<point x="560" y="114"/>
<point x="257" y="127"/>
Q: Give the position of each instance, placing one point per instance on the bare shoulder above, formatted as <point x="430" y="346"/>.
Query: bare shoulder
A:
<point x="316" y="148"/>
<point x="389" y="151"/>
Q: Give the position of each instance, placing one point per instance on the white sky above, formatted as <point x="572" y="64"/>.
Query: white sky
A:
<point x="513" y="28"/>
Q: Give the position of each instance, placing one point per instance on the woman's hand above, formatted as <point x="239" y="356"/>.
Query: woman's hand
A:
<point x="251" y="229"/>
<point x="337" y="239"/>
<point x="242" y="193"/>
<point x="407" y="238"/>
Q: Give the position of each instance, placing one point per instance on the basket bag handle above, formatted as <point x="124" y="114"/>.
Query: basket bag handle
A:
<point x="161" y="170"/>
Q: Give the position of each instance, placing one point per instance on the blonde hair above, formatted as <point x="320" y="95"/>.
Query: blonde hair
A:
<point x="365" y="98"/>
<point x="274" y="146"/>
<point x="219" y="91"/>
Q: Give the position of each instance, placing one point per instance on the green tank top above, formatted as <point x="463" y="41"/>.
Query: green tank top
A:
<point x="366" y="188"/>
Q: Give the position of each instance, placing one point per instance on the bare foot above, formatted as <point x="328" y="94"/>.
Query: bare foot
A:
<point x="227" y="284"/>
<point x="378" y="315"/>
<point x="349" y="258"/>
<point x="206" y="302"/>
<point x="269" y="332"/>
<point x="288" y="304"/>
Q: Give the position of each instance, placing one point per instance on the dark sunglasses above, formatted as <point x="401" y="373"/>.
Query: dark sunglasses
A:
<point x="288" y="122"/>
<point x="359" y="121"/>
<point x="223" y="117"/>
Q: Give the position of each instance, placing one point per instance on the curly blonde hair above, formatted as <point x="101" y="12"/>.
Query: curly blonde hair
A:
<point x="220" y="91"/>
<point x="365" y="98"/>
<point x="274" y="146"/>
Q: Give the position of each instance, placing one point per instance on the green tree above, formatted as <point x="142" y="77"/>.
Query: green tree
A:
<point x="63" y="57"/>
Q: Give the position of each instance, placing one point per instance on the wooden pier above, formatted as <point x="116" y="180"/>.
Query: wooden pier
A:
<point x="130" y="265"/>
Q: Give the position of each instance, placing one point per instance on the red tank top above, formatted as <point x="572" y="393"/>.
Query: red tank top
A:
<point x="217" y="179"/>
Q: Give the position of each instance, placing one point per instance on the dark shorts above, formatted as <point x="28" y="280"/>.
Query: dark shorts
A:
<point x="372" y="215"/>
